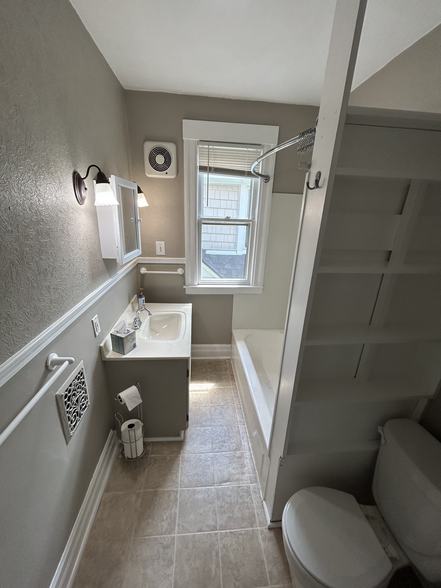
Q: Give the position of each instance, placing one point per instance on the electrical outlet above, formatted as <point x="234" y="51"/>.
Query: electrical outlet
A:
<point x="96" y="325"/>
<point x="160" y="247"/>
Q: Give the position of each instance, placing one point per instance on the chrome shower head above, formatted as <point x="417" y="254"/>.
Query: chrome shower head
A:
<point x="306" y="140"/>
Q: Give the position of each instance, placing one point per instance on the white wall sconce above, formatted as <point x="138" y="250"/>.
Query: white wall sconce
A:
<point x="104" y="195"/>
<point x="141" y="199"/>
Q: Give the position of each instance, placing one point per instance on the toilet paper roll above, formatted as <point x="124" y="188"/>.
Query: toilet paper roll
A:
<point x="130" y="397"/>
<point x="132" y="436"/>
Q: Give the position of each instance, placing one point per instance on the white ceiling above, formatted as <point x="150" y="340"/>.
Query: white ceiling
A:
<point x="272" y="50"/>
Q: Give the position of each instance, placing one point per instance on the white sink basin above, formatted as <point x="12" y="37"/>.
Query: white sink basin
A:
<point x="163" y="326"/>
<point x="164" y="335"/>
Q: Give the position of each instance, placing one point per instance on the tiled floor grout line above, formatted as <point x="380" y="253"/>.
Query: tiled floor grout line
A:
<point x="264" y="556"/>
<point x="132" y="535"/>
<point x="258" y="528"/>
<point x="200" y="533"/>
<point x="218" y="537"/>
<point x="177" y="521"/>
<point x="236" y="422"/>
<point x="237" y="406"/>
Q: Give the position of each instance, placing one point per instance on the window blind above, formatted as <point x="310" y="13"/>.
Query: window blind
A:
<point x="225" y="159"/>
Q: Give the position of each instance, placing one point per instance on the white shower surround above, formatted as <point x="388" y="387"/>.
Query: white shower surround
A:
<point x="256" y="355"/>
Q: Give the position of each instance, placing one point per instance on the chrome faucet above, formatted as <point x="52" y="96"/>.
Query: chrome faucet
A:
<point x="137" y="322"/>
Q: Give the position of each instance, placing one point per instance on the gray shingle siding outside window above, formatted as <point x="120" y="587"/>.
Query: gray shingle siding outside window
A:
<point x="226" y="266"/>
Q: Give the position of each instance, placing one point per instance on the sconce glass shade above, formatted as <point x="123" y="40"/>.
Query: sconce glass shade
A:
<point x="141" y="199"/>
<point x="104" y="195"/>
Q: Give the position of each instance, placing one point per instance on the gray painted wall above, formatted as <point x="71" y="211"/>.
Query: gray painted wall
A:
<point x="61" y="108"/>
<point x="158" y="117"/>
<point x="411" y="81"/>
<point x="211" y="315"/>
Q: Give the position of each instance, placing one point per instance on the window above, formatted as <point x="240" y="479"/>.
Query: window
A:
<point x="227" y="207"/>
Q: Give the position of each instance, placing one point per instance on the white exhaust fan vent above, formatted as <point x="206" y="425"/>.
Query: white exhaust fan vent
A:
<point x="160" y="160"/>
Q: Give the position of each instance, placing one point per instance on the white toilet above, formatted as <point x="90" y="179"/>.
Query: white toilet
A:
<point x="329" y="541"/>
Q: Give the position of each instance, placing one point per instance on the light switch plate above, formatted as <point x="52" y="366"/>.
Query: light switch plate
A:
<point x="160" y="247"/>
<point x="96" y="325"/>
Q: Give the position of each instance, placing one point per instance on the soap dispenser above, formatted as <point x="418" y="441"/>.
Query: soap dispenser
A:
<point x="141" y="298"/>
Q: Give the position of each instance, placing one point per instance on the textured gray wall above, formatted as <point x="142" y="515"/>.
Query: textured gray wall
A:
<point x="158" y="117"/>
<point x="61" y="108"/>
<point x="411" y="81"/>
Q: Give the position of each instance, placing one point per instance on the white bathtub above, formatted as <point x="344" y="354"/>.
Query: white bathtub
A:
<point x="257" y="354"/>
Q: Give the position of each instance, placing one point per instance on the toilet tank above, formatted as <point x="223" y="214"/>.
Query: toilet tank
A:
<point x="407" y="490"/>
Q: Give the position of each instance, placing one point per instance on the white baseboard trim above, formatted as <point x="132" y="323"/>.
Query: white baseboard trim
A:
<point x="70" y="560"/>
<point x="211" y="351"/>
<point x="271" y="524"/>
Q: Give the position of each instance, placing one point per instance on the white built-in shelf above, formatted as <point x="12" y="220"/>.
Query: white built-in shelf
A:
<point x="382" y="117"/>
<point x="358" y="334"/>
<point x="378" y="268"/>
<point x="322" y="448"/>
<point x="354" y="390"/>
<point x="393" y="174"/>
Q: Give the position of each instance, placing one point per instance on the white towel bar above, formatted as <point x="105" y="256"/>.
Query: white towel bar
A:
<point x="53" y="361"/>
<point x="53" y="357"/>
<point x="179" y="272"/>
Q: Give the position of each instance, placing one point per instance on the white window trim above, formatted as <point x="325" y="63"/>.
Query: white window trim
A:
<point x="198" y="130"/>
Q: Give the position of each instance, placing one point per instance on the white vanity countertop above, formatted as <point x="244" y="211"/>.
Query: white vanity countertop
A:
<point x="151" y="349"/>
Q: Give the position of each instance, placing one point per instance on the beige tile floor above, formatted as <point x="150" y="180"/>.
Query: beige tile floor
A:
<point x="190" y="515"/>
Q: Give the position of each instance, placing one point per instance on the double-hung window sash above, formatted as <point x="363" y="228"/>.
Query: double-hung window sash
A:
<point x="227" y="209"/>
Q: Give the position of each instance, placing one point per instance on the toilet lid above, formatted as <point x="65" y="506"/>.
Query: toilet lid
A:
<point x="331" y="538"/>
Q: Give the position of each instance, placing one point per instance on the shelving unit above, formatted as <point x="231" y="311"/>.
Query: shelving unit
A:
<point x="350" y="334"/>
<point x="379" y="268"/>
<point x="363" y="330"/>
<point x="371" y="344"/>
<point x="355" y="390"/>
<point x="367" y="293"/>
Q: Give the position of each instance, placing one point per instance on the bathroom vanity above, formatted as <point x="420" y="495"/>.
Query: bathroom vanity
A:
<point x="160" y="364"/>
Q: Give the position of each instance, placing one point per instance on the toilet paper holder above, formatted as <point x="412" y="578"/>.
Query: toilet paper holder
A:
<point x="131" y="446"/>
<point x="139" y="390"/>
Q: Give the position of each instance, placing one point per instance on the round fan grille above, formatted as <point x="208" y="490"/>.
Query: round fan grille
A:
<point x="159" y="159"/>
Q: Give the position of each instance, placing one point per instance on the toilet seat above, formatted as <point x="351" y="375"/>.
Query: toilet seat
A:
<point x="326" y="532"/>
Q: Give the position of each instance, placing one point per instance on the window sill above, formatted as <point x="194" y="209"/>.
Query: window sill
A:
<point x="227" y="289"/>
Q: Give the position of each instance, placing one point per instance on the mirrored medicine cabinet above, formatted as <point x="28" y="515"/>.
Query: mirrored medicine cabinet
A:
<point x="119" y="226"/>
